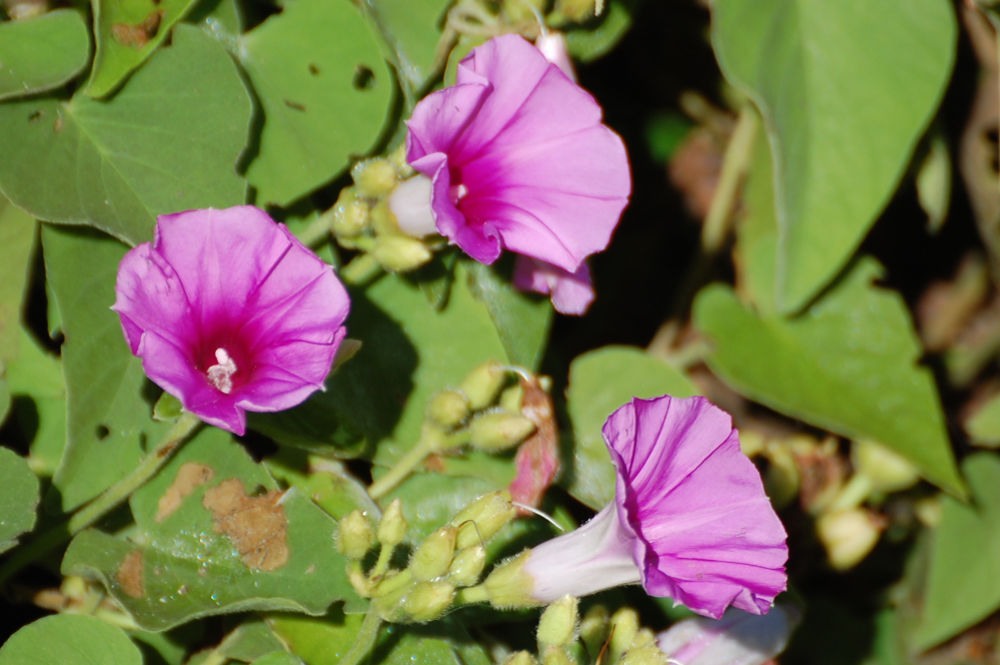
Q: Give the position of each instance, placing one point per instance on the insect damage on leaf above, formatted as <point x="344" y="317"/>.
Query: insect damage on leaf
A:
<point x="190" y="476"/>
<point x="129" y="575"/>
<point x="256" y="525"/>
<point x="139" y="34"/>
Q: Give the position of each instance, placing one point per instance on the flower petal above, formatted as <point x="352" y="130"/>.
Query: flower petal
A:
<point x="707" y="535"/>
<point x="149" y="296"/>
<point x="572" y="293"/>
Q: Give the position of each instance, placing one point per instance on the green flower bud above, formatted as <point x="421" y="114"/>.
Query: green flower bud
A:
<point x="624" y="628"/>
<point x="448" y="408"/>
<point x="400" y="253"/>
<point x="494" y="432"/>
<point x="594" y="628"/>
<point x="398" y="159"/>
<point x="509" y="586"/>
<point x="433" y="558"/>
<point x="390" y="593"/>
<point x="467" y="566"/>
<point x="374" y="178"/>
<point x="356" y="576"/>
<point x="557" y="624"/>
<point x="483" y="518"/>
<point x="556" y="656"/>
<point x="350" y="215"/>
<point x="512" y="398"/>
<point x="520" y="658"/>
<point x="428" y="600"/>
<point x="483" y="384"/>
<point x="647" y="654"/>
<point x="355" y="536"/>
<point x="392" y="527"/>
<point x="887" y="470"/>
<point x="384" y="221"/>
<point x="576" y="10"/>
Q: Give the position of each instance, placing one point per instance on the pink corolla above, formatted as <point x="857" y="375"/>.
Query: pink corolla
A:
<point x="230" y="313"/>
<point x="518" y="159"/>
<point x="690" y="519"/>
<point x="737" y="638"/>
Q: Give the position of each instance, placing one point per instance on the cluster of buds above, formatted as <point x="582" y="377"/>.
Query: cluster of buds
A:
<point x="450" y="558"/>
<point x="483" y="412"/>
<point x="837" y="495"/>
<point x="362" y="219"/>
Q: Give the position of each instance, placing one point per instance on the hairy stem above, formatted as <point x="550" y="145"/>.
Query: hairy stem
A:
<point x="364" y="640"/>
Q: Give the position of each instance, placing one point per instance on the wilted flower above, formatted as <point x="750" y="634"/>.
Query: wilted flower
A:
<point x="230" y="313"/>
<point x="690" y="520"/>
<point x="518" y="159"/>
<point x="737" y="638"/>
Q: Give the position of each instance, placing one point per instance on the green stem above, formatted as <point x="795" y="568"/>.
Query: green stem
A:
<point x="103" y="504"/>
<point x="362" y="269"/>
<point x="402" y="468"/>
<point x="318" y="231"/>
<point x="735" y="162"/>
<point x="364" y="640"/>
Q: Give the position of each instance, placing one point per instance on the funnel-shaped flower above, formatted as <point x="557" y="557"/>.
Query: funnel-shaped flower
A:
<point x="230" y="313"/>
<point x="737" y="638"/>
<point x="519" y="159"/>
<point x="690" y="519"/>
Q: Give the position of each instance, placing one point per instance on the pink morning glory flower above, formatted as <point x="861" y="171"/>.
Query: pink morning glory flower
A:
<point x="737" y="638"/>
<point x="230" y="313"/>
<point x="690" y="519"/>
<point x="571" y="293"/>
<point x="518" y="159"/>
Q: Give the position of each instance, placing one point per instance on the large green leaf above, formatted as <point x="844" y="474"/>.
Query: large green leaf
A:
<point x="842" y="117"/>
<point x="18" y="498"/>
<point x="963" y="583"/>
<point x="43" y="52"/>
<point x="410" y="30"/>
<point x="17" y="235"/>
<point x="128" y="31"/>
<point x="522" y="320"/>
<point x="410" y="352"/>
<point x="600" y="382"/>
<point x="847" y="364"/>
<point x="108" y="403"/>
<point x="324" y="89"/>
<point x="36" y="384"/>
<point x="215" y="535"/>
<point x="167" y="142"/>
<point x="69" y="639"/>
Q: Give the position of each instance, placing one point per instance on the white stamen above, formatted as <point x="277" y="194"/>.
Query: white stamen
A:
<point x="220" y="375"/>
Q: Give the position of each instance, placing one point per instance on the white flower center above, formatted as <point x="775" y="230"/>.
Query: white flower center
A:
<point x="221" y="373"/>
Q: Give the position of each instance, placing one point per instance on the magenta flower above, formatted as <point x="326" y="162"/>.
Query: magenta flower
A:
<point x="571" y="293"/>
<point x="518" y="159"/>
<point x="690" y="519"/>
<point x="737" y="638"/>
<point x="230" y="313"/>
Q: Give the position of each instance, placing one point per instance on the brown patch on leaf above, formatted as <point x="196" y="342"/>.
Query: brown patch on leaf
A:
<point x="190" y="476"/>
<point x="138" y="35"/>
<point x="129" y="575"/>
<point x="537" y="460"/>
<point x="255" y="524"/>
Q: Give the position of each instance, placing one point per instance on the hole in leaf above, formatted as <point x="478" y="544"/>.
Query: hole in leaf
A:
<point x="102" y="431"/>
<point x="364" y="77"/>
<point x="259" y="490"/>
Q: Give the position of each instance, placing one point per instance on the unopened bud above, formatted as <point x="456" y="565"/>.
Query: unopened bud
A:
<point x="400" y="253"/>
<point x="433" y="558"/>
<point x="467" y="566"/>
<point x="374" y="178"/>
<point x="495" y="432"/>
<point x="624" y="628"/>
<point x="556" y="656"/>
<point x="557" y="625"/>
<point x="356" y="576"/>
<point x="647" y="654"/>
<point x="483" y="384"/>
<point x="448" y="408"/>
<point x="428" y="600"/>
<point x="848" y="535"/>
<point x="483" y="518"/>
<point x="887" y="470"/>
<point x="350" y="215"/>
<point x="390" y="594"/>
<point x="782" y="477"/>
<point x="512" y="398"/>
<point x="398" y="159"/>
<point x="576" y="10"/>
<point x="520" y="658"/>
<point x="384" y="220"/>
<point x="594" y="628"/>
<point x="355" y="536"/>
<point x="392" y="527"/>
<point x="509" y="586"/>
